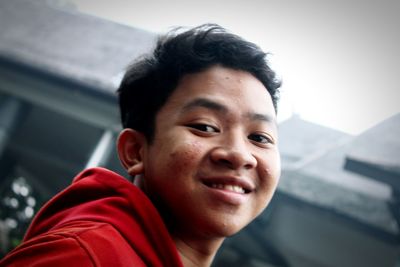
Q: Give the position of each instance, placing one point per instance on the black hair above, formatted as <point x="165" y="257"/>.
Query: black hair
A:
<point x="149" y="82"/>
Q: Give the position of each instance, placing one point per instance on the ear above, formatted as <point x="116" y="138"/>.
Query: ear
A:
<point x="130" y="146"/>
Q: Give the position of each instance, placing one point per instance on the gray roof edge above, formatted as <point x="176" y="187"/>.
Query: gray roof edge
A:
<point x="83" y="48"/>
<point x="391" y="237"/>
<point x="332" y="197"/>
<point x="26" y="68"/>
<point x="296" y="118"/>
<point x="76" y="12"/>
<point x="386" y="174"/>
<point x="375" y="152"/>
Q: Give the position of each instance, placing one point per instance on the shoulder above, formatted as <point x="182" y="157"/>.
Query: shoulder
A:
<point x="76" y="244"/>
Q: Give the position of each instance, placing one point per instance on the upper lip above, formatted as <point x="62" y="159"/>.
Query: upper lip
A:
<point x="247" y="185"/>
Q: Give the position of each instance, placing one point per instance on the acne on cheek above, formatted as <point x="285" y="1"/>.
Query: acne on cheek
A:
<point x="185" y="153"/>
<point x="266" y="173"/>
<point x="271" y="173"/>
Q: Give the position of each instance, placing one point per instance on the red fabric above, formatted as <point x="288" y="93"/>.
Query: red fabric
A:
<point x="100" y="220"/>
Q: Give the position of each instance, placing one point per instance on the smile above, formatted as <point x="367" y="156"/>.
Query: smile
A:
<point x="228" y="190"/>
<point x="227" y="187"/>
<point x="229" y="184"/>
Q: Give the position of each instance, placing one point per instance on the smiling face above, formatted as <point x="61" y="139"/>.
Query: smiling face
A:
<point x="213" y="165"/>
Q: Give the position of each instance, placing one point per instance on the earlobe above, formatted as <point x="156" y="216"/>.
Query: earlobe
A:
<point x="130" y="150"/>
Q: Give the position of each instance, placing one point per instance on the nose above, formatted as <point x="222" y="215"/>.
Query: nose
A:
<point x="234" y="154"/>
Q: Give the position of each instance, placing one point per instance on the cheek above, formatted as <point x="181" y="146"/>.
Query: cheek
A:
<point x="186" y="154"/>
<point x="270" y="172"/>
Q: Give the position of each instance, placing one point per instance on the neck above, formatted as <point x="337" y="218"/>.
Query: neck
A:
<point x="194" y="250"/>
<point x="197" y="253"/>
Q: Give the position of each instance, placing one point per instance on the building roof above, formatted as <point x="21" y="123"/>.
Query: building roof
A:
<point x="301" y="141"/>
<point x="317" y="176"/>
<point x="361" y="208"/>
<point x="69" y="44"/>
<point x="376" y="152"/>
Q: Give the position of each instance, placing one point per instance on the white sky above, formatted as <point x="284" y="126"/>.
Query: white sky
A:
<point x="339" y="59"/>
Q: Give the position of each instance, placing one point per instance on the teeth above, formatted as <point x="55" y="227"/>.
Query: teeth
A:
<point x="233" y="188"/>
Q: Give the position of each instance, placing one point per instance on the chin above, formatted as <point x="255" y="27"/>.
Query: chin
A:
<point x="224" y="229"/>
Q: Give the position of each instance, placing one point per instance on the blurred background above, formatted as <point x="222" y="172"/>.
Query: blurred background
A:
<point x="337" y="203"/>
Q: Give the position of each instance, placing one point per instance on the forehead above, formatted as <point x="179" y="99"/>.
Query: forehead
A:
<point x="235" y="89"/>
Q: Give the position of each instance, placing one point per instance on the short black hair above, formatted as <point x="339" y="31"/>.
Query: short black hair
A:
<point x="149" y="82"/>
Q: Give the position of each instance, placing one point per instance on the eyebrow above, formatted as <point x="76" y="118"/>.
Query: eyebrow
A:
<point x="205" y="103"/>
<point x="209" y="104"/>
<point x="260" y="117"/>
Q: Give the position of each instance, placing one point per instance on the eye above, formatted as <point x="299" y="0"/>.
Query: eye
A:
<point x="260" y="138"/>
<point x="204" y="128"/>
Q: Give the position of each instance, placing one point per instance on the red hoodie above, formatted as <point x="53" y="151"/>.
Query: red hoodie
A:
<point x="99" y="220"/>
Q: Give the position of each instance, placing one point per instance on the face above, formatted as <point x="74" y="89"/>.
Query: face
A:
<point x="213" y="165"/>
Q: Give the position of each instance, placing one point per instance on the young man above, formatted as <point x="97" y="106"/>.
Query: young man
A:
<point x="200" y="139"/>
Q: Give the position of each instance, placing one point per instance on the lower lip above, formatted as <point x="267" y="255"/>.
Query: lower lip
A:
<point x="226" y="196"/>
